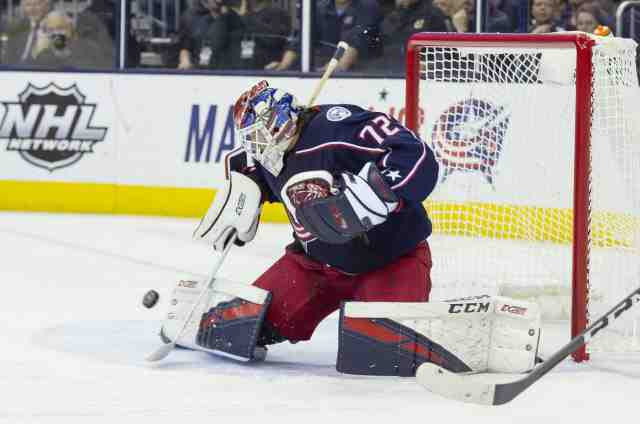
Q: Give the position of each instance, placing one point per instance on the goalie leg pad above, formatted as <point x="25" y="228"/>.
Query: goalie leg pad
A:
<point x="515" y="336"/>
<point x="494" y="334"/>
<point x="380" y="346"/>
<point x="232" y="327"/>
<point x="228" y="320"/>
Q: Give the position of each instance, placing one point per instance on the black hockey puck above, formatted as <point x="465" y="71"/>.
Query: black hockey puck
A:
<point x="150" y="299"/>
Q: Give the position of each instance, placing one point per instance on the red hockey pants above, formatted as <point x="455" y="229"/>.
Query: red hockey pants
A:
<point x="304" y="291"/>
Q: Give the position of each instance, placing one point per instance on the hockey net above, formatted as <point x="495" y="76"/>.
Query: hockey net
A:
<point x="538" y="141"/>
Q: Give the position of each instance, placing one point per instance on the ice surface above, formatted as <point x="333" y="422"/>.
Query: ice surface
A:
<point x="73" y="337"/>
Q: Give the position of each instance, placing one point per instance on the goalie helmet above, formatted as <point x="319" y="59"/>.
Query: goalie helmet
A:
<point x="265" y="120"/>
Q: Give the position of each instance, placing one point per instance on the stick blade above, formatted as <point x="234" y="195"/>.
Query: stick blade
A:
<point x="454" y="386"/>
<point x="161" y="352"/>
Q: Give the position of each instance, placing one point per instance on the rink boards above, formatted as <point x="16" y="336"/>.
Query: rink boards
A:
<point x="135" y="143"/>
<point x="155" y="143"/>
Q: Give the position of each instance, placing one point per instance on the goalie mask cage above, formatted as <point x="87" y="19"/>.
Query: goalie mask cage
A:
<point x="537" y="137"/>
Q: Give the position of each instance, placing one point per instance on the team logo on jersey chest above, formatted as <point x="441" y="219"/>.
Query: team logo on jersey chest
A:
<point x="304" y="191"/>
<point x="300" y="193"/>
<point x="302" y="188"/>
<point x="338" y="113"/>
<point x="469" y="136"/>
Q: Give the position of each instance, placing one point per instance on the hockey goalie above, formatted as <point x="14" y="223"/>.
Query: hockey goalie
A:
<point x="352" y="182"/>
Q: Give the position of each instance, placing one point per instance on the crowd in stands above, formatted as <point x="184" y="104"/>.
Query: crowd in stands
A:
<point x="41" y="36"/>
<point x="376" y="30"/>
<point x="248" y="34"/>
<point x="266" y="34"/>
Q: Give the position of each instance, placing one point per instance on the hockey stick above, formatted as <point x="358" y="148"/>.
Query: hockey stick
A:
<point x="459" y="387"/>
<point x="166" y="348"/>
<point x="331" y="66"/>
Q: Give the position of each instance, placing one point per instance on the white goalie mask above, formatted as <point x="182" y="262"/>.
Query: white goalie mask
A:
<point x="266" y="122"/>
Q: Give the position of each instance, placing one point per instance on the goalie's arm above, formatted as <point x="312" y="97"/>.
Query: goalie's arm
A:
<point x="408" y="164"/>
<point x="402" y="177"/>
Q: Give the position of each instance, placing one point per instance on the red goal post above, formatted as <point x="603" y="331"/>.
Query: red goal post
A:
<point x="474" y="61"/>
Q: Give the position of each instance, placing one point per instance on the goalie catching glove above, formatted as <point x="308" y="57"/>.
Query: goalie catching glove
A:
<point x="236" y="206"/>
<point x="360" y="203"/>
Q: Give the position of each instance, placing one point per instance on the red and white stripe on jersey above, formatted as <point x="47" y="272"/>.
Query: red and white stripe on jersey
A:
<point x="341" y="144"/>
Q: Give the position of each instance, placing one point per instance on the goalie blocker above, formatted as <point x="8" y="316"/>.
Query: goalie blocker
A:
<point x="490" y="334"/>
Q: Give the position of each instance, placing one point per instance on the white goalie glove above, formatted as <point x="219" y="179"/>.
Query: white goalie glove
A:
<point x="236" y="207"/>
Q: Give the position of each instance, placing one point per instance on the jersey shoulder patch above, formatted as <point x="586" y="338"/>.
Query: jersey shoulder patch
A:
<point x="338" y="113"/>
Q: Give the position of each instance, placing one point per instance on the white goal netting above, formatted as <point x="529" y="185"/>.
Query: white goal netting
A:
<point x="501" y="119"/>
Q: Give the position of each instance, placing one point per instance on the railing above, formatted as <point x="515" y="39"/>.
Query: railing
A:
<point x="628" y="25"/>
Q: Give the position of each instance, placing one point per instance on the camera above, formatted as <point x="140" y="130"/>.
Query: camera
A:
<point x="58" y="40"/>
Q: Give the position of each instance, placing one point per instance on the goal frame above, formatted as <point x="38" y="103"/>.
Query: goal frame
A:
<point x="583" y="45"/>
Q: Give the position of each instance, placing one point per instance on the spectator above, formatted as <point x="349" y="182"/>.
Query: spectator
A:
<point x="163" y="14"/>
<point x="588" y="17"/>
<point x="195" y="10"/>
<point x="350" y="20"/>
<point x="61" y="48"/>
<point x="24" y="34"/>
<point x="102" y="11"/>
<point x="96" y="25"/>
<point x="386" y="6"/>
<point x="516" y="11"/>
<point x="408" y="17"/>
<point x="207" y="42"/>
<point x="496" y="21"/>
<point x="563" y="10"/>
<point x="449" y="8"/>
<point x="576" y="4"/>
<point x="608" y="7"/>
<point x="263" y="36"/>
<point x="542" y="12"/>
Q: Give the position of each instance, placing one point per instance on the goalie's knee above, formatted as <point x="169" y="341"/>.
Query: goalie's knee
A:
<point x="228" y="320"/>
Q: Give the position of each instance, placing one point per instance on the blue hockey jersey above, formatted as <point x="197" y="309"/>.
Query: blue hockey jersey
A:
<point x="343" y="138"/>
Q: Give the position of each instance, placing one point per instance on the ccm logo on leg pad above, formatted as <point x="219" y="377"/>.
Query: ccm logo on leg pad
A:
<point x="457" y="308"/>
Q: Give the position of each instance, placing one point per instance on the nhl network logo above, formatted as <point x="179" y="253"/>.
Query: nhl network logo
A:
<point x="50" y="127"/>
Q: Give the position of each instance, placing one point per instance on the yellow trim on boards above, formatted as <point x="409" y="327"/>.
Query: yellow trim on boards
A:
<point x="39" y="196"/>
<point x="458" y="219"/>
